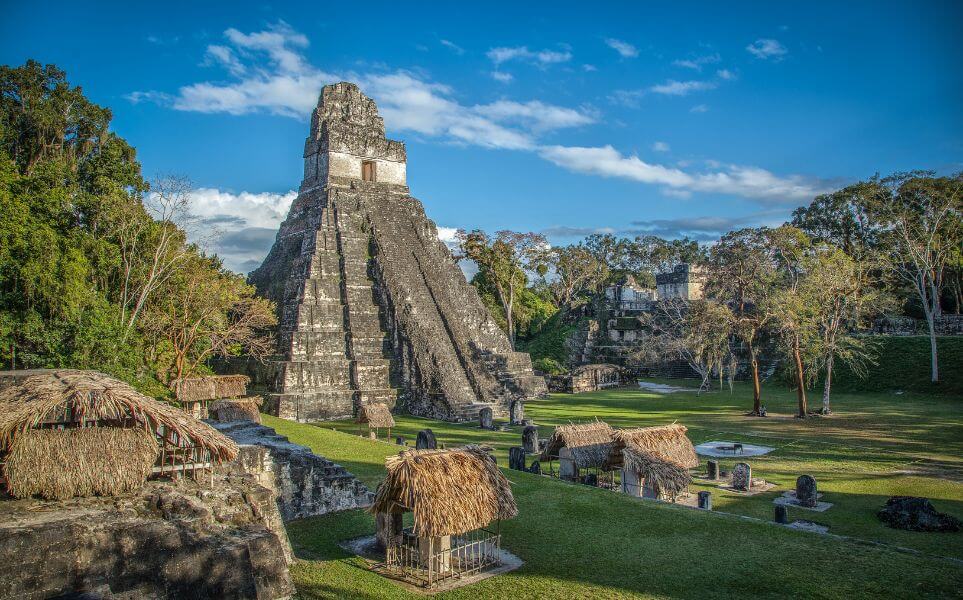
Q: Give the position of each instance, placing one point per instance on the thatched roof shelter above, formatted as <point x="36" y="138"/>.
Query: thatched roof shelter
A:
<point x="666" y="478"/>
<point x="210" y="387"/>
<point x="666" y="442"/>
<point x="375" y="415"/>
<point x="241" y="409"/>
<point x="589" y="443"/>
<point x="450" y="491"/>
<point x="79" y="432"/>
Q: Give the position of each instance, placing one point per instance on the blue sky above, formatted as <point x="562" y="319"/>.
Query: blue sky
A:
<point x="566" y="118"/>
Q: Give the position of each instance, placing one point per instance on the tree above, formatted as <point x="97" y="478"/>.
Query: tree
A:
<point x="794" y="316"/>
<point x="696" y="332"/>
<point x="841" y="292"/>
<point x="152" y="244"/>
<point x="742" y="275"/>
<point x="205" y="311"/>
<point x="840" y="219"/>
<point x="575" y="270"/>
<point x="503" y="260"/>
<point x="922" y="229"/>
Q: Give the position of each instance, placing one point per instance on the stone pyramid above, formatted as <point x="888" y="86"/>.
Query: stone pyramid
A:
<point x="372" y="307"/>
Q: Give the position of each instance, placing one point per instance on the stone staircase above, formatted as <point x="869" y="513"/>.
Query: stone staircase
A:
<point x="336" y="353"/>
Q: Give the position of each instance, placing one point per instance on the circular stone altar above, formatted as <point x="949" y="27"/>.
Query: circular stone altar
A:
<point x="724" y="449"/>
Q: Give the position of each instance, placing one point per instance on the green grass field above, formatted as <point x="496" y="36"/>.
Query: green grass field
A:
<point x="578" y="541"/>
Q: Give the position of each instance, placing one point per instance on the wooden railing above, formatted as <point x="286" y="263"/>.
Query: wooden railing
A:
<point x="468" y="554"/>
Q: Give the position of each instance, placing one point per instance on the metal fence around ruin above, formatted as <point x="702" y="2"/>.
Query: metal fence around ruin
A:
<point x="469" y="554"/>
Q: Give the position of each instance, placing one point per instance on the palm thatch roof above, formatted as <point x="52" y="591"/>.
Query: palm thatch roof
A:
<point x="667" y="442"/>
<point x="241" y="409"/>
<point x="77" y="397"/>
<point x="666" y="478"/>
<point x="57" y="464"/>
<point x="375" y="415"/>
<point x="449" y="491"/>
<point x="589" y="443"/>
<point x="210" y="387"/>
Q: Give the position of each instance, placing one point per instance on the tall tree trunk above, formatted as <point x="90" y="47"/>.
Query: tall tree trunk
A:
<point x="508" y="316"/>
<point x="934" y="358"/>
<point x="828" y="384"/>
<point x="756" y="386"/>
<point x="800" y="380"/>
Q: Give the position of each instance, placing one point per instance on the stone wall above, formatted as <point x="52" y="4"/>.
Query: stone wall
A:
<point x="306" y="484"/>
<point x="212" y="539"/>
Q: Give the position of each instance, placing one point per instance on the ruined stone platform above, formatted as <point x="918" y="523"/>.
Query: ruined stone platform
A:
<point x="307" y="485"/>
<point x="219" y="538"/>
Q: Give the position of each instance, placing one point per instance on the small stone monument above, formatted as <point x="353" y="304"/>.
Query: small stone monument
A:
<point x="372" y="434"/>
<point x="516" y="458"/>
<point x="806" y="491"/>
<point x="516" y="412"/>
<point x="742" y="477"/>
<point x="485" y="418"/>
<point x="712" y="467"/>
<point x="400" y="440"/>
<point x="426" y="440"/>
<point x="530" y="439"/>
<point x="705" y="500"/>
<point x="536" y="468"/>
<point x="782" y="514"/>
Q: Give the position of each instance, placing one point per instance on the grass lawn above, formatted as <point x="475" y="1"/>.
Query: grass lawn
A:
<point x="579" y="542"/>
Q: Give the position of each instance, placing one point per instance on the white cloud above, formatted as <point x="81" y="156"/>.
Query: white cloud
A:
<point x="453" y="47"/>
<point x="625" y="49"/>
<point x="682" y="88"/>
<point x="697" y="62"/>
<point x="534" y="114"/>
<point x="766" y="48"/>
<point x="660" y="147"/>
<point x="699" y="108"/>
<point x="272" y="75"/>
<point x="522" y="53"/>
<point x="589" y="68"/>
<point x="502" y="77"/>
<point x="245" y="223"/>
<point x="224" y="56"/>
<point x="725" y="74"/>
<point x="749" y="182"/>
<point x="254" y="209"/>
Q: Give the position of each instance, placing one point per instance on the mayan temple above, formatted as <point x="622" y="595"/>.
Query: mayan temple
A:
<point x="372" y="307"/>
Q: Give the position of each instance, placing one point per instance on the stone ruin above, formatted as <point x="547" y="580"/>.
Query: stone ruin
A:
<point x="372" y="306"/>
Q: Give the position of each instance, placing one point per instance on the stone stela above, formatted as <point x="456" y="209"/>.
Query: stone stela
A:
<point x="372" y="306"/>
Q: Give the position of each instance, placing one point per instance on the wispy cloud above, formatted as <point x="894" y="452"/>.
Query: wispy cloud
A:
<point x="272" y="75"/>
<point x="682" y="88"/>
<point x="745" y="181"/>
<point x="705" y="228"/>
<point x="502" y="76"/>
<point x="452" y="46"/>
<point x="625" y="49"/>
<point x="660" y="147"/>
<point x="699" y="108"/>
<point x="522" y="53"/>
<point x="725" y="74"/>
<point x="766" y="49"/>
<point x="696" y="63"/>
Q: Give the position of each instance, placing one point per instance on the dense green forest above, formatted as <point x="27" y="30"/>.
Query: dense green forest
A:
<point x="96" y="270"/>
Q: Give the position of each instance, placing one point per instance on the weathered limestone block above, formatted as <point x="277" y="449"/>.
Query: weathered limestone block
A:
<point x="742" y="476"/>
<point x="426" y="440"/>
<point x="170" y="541"/>
<point x="530" y="439"/>
<point x="806" y="491"/>
<point x="307" y="485"/>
